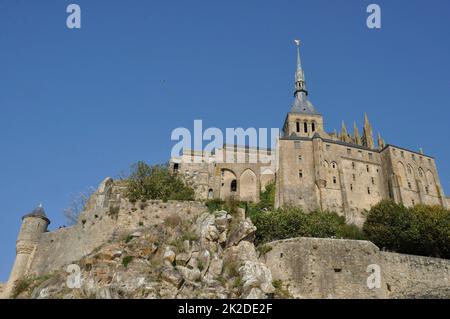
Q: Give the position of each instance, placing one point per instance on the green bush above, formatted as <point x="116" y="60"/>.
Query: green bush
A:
<point x="127" y="260"/>
<point x="230" y="205"/>
<point x="293" y="222"/>
<point x="434" y="230"/>
<point x="215" y="205"/>
<point x="281" y="292"/>
<point x="420" y="230"/>
<point x="26" y="285"/>
<point x="267" y="197"/>
<point x="263" y="249"/>
<point x="156" y="182"/>
<point x="127" y="239"/>
<point x="351" y="231"/>
<point x="266" y="203"/>
<point x="21" y="286"/>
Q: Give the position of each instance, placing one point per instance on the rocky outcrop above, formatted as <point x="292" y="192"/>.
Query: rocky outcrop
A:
<point x="209" y="256"/>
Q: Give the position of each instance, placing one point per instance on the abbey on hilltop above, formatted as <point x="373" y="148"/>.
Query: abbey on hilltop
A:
<point x="342" y="172"/>
<point x="345" y="173"/>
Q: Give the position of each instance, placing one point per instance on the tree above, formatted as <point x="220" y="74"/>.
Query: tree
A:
<point x="292" y="222"/>
<point x="156" y="182"/>
<point x="386" y="225"/>
<point x="76" y="205"/>
<point x="419" y="230"/>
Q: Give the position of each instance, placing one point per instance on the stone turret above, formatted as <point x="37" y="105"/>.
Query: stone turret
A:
<point x="33" y="225"/>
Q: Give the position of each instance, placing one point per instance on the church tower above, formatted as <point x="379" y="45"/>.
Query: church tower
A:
<point x="303" y="120"/>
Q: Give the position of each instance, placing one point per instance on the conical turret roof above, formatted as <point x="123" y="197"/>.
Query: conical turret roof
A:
<point x="38" y="212"/>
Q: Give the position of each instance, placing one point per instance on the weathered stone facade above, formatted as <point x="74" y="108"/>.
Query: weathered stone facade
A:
<point x="107" y="214"/>
<point x="312" y="169"/>
<point x="318" y="170"/>
<point x="339" y="269"/>
<point x="322" y="173"/>
<point x="234" y="171"/>
<point x="306" y="267"/>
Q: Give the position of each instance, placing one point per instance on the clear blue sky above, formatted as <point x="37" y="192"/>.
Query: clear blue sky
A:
<point x="77" y="106"/>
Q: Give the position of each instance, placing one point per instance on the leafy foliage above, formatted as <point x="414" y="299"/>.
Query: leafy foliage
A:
<point x="293" y="222"/>
<point x="156" y="182"/>
<point x="21" y="286"/>
<point x="27" y="284"/>
<point x="266" y="203"/>
<point x="275" y="224"/>
<point x="420" y="230"/>
<point x="215" y="205"/>
<point x="263" y="249"/>
<point x="127" y="260"/>
<point x="230" y="205"/>
<point x="127" y="239"/>
<point x="267" y="197"/>
<point x="281" y="292"/>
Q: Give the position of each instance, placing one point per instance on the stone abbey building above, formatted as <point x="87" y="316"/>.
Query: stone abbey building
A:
<point x="315" y="169"/>
<point x="345" y="173"/>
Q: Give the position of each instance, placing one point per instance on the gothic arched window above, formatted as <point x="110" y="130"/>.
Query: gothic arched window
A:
<point x="409" y="169"/>
<point x="233" y="186"/>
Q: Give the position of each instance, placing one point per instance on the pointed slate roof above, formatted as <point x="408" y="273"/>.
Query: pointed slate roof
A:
<point x="303" y="105"/>
<point x="38" y="212"/>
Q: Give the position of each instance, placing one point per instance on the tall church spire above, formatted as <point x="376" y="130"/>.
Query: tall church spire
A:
<point x="301" y="105"/>
<point x="344" y="133"/>
<point x="356" y="134"/>
<point x="381" y="142"/>
<point x="300" y="84"/>
<point x="367" y="133"/>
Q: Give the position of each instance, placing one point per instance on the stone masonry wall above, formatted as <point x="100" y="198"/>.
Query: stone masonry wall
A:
<point x="409" y="276"/>
<point x="98" y="225"/>
<point x="330" y="268"/>
<point x="324" y="268"/>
